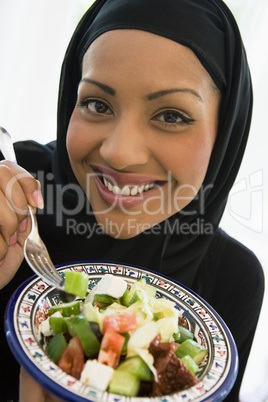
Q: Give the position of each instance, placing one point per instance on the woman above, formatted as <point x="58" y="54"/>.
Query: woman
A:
<point x="154" y="112"/>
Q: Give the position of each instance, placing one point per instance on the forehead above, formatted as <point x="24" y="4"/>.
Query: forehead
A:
<point x="149" y="53"/>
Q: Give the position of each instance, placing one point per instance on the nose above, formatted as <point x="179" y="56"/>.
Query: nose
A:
<point x="125" y="145"/>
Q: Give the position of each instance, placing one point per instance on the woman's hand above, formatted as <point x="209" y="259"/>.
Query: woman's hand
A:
<point x="18" y="188"/>
<point x="31" y="391"/>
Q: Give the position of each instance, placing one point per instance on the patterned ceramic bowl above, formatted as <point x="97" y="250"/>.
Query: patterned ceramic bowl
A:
<point x="31" y="301"/>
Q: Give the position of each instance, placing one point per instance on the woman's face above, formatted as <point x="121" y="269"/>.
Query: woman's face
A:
<point x="142" y="132"/>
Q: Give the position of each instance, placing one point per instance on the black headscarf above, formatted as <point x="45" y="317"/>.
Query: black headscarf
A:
<point x="209" y="29"/>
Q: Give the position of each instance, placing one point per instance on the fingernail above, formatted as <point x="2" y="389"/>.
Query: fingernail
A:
<point x="23" y="225"/>
<point x="13" y="239"/>
<point x="38" y="199"/>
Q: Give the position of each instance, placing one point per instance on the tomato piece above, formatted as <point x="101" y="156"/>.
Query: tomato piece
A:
<point x="72" y="359"/>
<point x="109" y="357"/>
<point x="111" y="348"/>
<point x="120" y="323"/>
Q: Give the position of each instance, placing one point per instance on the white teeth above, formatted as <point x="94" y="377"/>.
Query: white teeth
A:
<point x="116" y="190"/>
<point x="105" y="182"/>
<point x="141" y="189"/>
<point x="134" y="190"/>
<point x="127" y="190"/>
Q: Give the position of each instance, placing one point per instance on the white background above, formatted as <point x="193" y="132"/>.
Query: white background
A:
<point x="34" y="36"/>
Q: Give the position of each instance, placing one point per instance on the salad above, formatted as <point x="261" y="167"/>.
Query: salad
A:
<point x="121" y="338"/>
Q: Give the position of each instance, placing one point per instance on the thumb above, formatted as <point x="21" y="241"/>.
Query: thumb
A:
<point x="30" y="391"/>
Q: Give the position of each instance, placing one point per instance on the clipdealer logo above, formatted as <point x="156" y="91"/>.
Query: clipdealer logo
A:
<point x="245" y="203"/>
<point x="88" y="230"/>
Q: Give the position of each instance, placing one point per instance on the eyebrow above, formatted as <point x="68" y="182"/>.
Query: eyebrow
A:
<point x="158" y="94"/>
<point x="106" y="88"/>
<point x="111" y="91"/>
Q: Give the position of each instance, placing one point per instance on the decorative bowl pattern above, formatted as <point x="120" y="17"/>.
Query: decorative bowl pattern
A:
<point x="30" y="304"/>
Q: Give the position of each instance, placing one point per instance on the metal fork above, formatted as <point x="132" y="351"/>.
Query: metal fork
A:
<point x="35" y="251"/>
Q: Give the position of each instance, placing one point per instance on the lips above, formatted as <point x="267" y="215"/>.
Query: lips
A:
<point x="124" y="190"/>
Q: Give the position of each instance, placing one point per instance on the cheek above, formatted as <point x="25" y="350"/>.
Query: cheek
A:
<point x="73" y="141"/>
<point x="188" y="160"/>
<point x="71" y="145"/>
<point x="79" y="142"/>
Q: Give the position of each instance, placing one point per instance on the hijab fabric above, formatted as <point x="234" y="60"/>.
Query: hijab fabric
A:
<point x="209" y="29"/>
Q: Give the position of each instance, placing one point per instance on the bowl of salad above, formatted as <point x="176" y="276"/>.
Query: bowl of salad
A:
<point x="129" y="335"/>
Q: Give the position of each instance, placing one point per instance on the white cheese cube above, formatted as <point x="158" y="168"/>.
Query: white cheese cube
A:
<point x="96" y="375"/>
<point x="111" y="285"/>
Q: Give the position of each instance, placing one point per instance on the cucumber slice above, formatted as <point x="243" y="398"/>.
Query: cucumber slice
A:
<point x="135" y="365"/>
<point x="150" y="290"/>
<point x="126" y="298"/>
<point x="124" y="383"/>
<point x="183" y="334"/>
<point x="76" y="283"/>
<point x="190" y="363"/>
<point x="193" y="349"/>
<point x="66" y="309"/>
<point x="56" y="347"/>
<point x="132" y="295"/>
<point x="88" y="339"/>
<point x="136" y="297"/>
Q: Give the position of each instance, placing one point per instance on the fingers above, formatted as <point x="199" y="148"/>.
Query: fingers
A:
<point x="12" y="258"/>
<point x="31" y="391"/>
<point x="17" y="189"/>
<point x="15" y="181"/>
<point x="18" y="237"/>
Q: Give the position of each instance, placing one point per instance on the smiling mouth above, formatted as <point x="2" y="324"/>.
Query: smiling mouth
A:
<point x="128" y="189"/>
<point x="122" y="188"/>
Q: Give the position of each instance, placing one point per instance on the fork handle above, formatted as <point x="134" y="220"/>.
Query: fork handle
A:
<point x="6" y="146"/>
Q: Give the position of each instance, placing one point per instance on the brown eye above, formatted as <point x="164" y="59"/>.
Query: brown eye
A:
<point x="98" y="107"/>
<point x="95" y="106"/>
<point x="172" y="117"/>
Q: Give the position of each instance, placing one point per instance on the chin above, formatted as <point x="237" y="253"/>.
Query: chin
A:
<point x="123" y="229"/>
